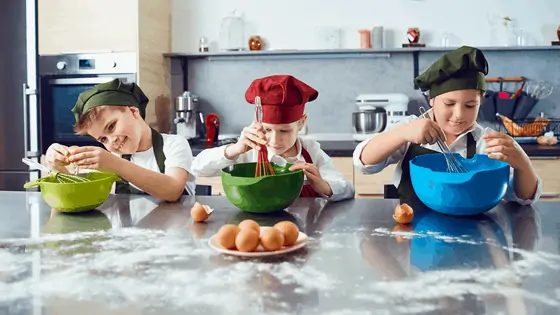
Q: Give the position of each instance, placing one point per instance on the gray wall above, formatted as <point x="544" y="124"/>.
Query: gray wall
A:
<point x="221" y="84"/>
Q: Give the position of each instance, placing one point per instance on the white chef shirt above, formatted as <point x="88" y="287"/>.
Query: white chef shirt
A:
<point x="210" y="162"/>
<point x="458" y="146"/>
<point x="177" y="152"/>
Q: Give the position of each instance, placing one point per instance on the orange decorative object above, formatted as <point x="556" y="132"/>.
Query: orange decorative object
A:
<point x="365" y="38"/>
<point x="413" y="35"/>
<point x="256" y="43"/>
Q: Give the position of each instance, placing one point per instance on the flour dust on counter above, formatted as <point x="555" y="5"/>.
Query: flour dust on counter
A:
<point x="173" y="270"/>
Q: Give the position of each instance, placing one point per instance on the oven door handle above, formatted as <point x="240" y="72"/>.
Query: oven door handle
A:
<point x="76" y="81"/>
<point x="26" y="92"/>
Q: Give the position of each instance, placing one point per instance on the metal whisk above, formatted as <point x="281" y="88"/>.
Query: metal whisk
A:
<point x="454" y="165"/>
<point x="61" y="177"/>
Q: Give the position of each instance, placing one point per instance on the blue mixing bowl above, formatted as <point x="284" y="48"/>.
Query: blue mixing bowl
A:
<point x="475" y="192"/>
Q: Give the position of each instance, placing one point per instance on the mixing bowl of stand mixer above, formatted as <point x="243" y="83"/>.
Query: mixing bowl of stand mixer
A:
<point x="377" y="112"/>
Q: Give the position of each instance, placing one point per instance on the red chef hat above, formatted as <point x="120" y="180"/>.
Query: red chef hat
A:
<point x="283" y="98"/>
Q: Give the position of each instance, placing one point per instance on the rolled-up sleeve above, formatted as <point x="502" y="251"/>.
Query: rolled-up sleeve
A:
<point x="510" y="192"/>
<point x="376" y="168"/>
<point x="210" y="162"/>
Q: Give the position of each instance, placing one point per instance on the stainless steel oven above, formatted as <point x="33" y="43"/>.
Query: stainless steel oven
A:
<point x="62" y="78"/>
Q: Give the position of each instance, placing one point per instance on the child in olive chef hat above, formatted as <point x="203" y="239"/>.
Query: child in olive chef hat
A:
<point x="148" y="162"/>
<point x="283" y="100"/>
<point x="456" y="83"/>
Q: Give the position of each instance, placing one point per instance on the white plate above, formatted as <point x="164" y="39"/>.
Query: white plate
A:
<point x="259" y="252"/>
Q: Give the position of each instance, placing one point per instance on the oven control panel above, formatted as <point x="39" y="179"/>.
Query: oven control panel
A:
<point x="94" y="63"/>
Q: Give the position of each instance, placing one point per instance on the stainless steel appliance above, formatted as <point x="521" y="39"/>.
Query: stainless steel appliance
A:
<point x="369" y="121"/>
<point x="62" y="78"/>
<point x="377" y="112"/>
<point x="189" y="120"/>
<point x="18" y="92"/>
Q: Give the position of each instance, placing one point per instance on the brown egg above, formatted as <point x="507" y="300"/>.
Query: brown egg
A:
<point x="250" y="224"/>
<point x="290" y="231"/>
<point x="542" y="140"/>
<point x="226" y="236"/>
<point x="247" y="240"/>
<point x="403" y="214"/>
<point x="552" y="141"/>
<point x="200" y="212"/>
<point x="272" y="239"/>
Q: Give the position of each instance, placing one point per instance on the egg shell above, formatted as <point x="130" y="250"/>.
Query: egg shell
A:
<point x="290" y="231"/>
<point x="403" y="214"/>
<point x="247" y="240"/>
<point x="552" y="141"/>
<point x="272" y="239"/>
<point x="199" y="212"/>
<point x="227" y="235"/>
<point x="250" y="224"/>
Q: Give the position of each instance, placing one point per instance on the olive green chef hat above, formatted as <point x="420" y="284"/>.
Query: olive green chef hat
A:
<point x="464" y="68"/>
<point x="112" y="93"/>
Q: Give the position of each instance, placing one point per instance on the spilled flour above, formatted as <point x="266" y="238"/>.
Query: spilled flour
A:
<point x="171" y="270"/>
<point x="409" y="235"/>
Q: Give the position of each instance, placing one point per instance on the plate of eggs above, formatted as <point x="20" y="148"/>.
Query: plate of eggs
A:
<point x="249" y="239"/>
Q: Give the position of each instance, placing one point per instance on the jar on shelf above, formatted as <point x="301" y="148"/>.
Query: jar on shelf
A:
<point x="232" y="33"/>
<point x="256" y="43"/>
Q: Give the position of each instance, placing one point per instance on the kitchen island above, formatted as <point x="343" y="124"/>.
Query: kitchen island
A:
<point x="136" y="255"/>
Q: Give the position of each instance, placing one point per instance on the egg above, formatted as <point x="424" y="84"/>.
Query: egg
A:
<point x="542" y="140"/>
<point x="403" y="214"/>
<point x="200" y="212"/>
<point x="290" y="231"/>
<point x="247" y="240"/>
<point x="250" y="224"/>
<point x="552" y="141"/>
<point x="226" y="236"/>
<point x="272" y="239"/>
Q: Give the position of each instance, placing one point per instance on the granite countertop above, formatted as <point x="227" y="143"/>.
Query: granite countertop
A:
<point x="346" y="148"/>
<point x="149" y="257"/>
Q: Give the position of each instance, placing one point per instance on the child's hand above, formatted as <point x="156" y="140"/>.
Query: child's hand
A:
<point x="422" y="131"/>
<point x="251" y="138"/>
<point x="504" y="148"/>
<point x="313" y="177"/>
<point x="92" y="158"/>
<point x="56" y="156"/>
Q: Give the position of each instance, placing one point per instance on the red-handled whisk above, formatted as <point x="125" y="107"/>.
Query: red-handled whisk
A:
<point x="264" y="168"/>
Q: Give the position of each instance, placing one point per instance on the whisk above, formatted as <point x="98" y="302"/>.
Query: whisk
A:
<point x="264" y="168"/>
<point x="454" y="165"/>
<point x="61" y="177"/>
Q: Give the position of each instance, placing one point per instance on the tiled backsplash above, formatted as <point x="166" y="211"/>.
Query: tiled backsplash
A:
<point x="221" y="84"/>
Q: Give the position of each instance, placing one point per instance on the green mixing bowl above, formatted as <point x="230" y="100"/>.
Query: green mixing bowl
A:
<point x="261" y="194"/>
<point x="75" y="197"/>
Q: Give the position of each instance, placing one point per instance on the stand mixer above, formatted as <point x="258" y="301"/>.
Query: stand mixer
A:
<point x="376" y="112"/>
<point x="189" y="121"/>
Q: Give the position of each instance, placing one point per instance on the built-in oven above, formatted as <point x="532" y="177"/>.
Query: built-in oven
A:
<point x="62" y="78"/>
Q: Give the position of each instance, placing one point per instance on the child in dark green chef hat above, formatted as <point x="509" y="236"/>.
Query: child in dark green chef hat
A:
<point x="456" y="84"/>
<point x="147" y="161"/>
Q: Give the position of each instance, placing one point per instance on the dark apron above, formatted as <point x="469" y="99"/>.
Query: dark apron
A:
<point x="124" y="187"/>
<point x="308" y="191"/>
<point x="406" y="192"/>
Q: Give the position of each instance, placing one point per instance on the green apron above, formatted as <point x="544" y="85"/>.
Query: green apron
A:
<point x="124" y="187"/>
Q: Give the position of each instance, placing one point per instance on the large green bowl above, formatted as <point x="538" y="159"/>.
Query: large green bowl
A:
<point x="75" y="197"/>
<point x="261" y="194"/>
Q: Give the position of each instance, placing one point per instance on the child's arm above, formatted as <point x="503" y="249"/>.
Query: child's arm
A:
<point x="168" y="186"/>
<point x="340" y="187"/>
<point x="524" y="186"/>
<point x="210" y="162"/>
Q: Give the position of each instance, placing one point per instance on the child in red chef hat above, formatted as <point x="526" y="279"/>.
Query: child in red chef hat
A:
<point x="283" y="99"/>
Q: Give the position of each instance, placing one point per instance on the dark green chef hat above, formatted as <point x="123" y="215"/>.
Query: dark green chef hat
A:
<point x="464" y="68"/>
<point x="112" y="93"/>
